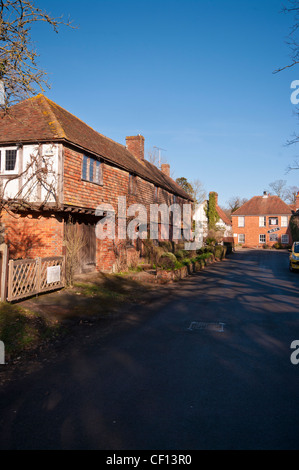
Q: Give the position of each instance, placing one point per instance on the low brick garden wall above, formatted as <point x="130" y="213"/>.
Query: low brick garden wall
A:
<point x="170" y="276"/>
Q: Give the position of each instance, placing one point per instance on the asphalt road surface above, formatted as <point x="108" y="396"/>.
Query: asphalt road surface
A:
<point x="209" y="368"/>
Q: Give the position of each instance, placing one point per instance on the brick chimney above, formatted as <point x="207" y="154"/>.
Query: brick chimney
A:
<point x="165" y="168"/>
<point x="216" y="197"/>
<point x="135" y="145"/>
<point x="297" y="201"/>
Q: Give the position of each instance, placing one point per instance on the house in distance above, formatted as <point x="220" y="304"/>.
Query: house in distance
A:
<point x="263" y="221"/>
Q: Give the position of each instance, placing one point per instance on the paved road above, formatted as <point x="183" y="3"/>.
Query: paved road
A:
<point x="156" y="384"/>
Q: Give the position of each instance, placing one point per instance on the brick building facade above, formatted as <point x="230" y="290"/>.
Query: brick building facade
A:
<point x="90" y="171"/>
<point x="262" y="221"/>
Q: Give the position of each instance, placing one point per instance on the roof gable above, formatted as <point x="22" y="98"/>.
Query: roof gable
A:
<point x="39" y="119"/>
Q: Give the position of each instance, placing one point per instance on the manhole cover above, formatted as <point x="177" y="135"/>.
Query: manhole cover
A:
<point x="199" y="325"/>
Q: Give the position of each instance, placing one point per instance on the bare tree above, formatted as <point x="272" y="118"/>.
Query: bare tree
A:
<point x="292" y="41"/>
<point x="290" y="194"/>
<point x="292" y="7"/>
<point x="278" y="188"/>
<point x="199" y="191"/>
<point x="235" y="202"/>
<point x="20" y="76"/>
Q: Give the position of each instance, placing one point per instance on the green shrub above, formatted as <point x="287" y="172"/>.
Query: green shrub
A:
<point x="277" y="246"/>
<point x="167" y="261"/>
<point x="180" y="254"/>
<point x="218" y="251"/>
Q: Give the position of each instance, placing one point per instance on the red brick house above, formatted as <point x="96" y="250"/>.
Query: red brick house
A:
<point x="263" y="220"/>
<point x="88" y="170"/>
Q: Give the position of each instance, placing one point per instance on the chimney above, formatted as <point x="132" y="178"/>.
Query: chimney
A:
<point x="216" y="197"/>
<point x="135" y="145"/>
<point x="297" y="201"/>
<point x="165" y="168"/>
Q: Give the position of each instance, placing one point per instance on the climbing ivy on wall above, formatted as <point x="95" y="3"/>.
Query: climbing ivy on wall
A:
<point x="212" y="213"/>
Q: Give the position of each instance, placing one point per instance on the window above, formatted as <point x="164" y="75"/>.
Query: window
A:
<point x="284" y="220"/>
<point x="262" y="221"/>
<point x="132" y="184"/>
<point x="91" y="165"/>
<point x="285" y="239"/>
<point x="156" y="194"/>
<point x="273" y="220"/>
<point x="84" y="168"/>
<point x="8" y="160"/>
<point x="273" y="237"/>
<point x="241" y="238"/>
<point x="262" y="238"/>
<point x="241" y="221"/>
<point x="92" y="170"/>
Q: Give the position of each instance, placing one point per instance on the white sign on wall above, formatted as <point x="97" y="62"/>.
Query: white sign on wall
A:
<point x="53" y="274"/>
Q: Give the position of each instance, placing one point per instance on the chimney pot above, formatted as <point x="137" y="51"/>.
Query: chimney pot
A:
<point x="297" y="201"/>
<point x="135" y="145"/>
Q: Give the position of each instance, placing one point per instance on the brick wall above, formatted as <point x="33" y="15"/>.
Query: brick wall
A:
<point x="252" y="231"/>
<point x="116" y="183"/>
<point x="32" y="236"/>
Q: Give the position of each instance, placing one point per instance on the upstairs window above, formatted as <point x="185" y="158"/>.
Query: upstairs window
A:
<point x="273" y="220"/>
<point x="284" y="221"/>
<point x="241" y="221"/>
<point x="92" y="170"/>
<point x="8" y="160"/>
<point x="262" y="221"/>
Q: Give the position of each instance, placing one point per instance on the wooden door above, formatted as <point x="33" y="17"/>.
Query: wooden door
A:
<point x="89" y="249"/>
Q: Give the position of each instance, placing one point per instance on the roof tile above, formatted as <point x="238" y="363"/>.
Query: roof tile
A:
<point x="39" y="119"/>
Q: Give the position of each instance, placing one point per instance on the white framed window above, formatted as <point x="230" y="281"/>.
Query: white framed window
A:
<point x="273" y="220"/>
<point x="241" y="238"/>
<point x="8" y="160"/>
<point x="284" y="220"/>
<point x="285" y="239"/>
<point x="262" y="238"/>
<point x="241" y="221"/>
<point x="262" y="221"/>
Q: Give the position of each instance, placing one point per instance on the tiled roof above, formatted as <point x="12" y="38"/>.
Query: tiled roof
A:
<point x="39" y="119"/>
<point x="223" y="216"/>
<point x="259" y="205"/>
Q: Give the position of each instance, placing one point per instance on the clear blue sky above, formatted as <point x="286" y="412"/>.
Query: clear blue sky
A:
<point x="194" y="77"/>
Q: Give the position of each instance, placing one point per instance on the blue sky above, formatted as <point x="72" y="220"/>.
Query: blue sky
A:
<point x="194" y="77"/>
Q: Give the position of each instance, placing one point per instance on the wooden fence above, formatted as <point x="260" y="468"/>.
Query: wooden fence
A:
<point x="33" y="276"/>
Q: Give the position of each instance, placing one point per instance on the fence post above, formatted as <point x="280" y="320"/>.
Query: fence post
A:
<point x="10" y="279"/>
<point x="4" y="272"/>
<point x="38" y="275"/>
